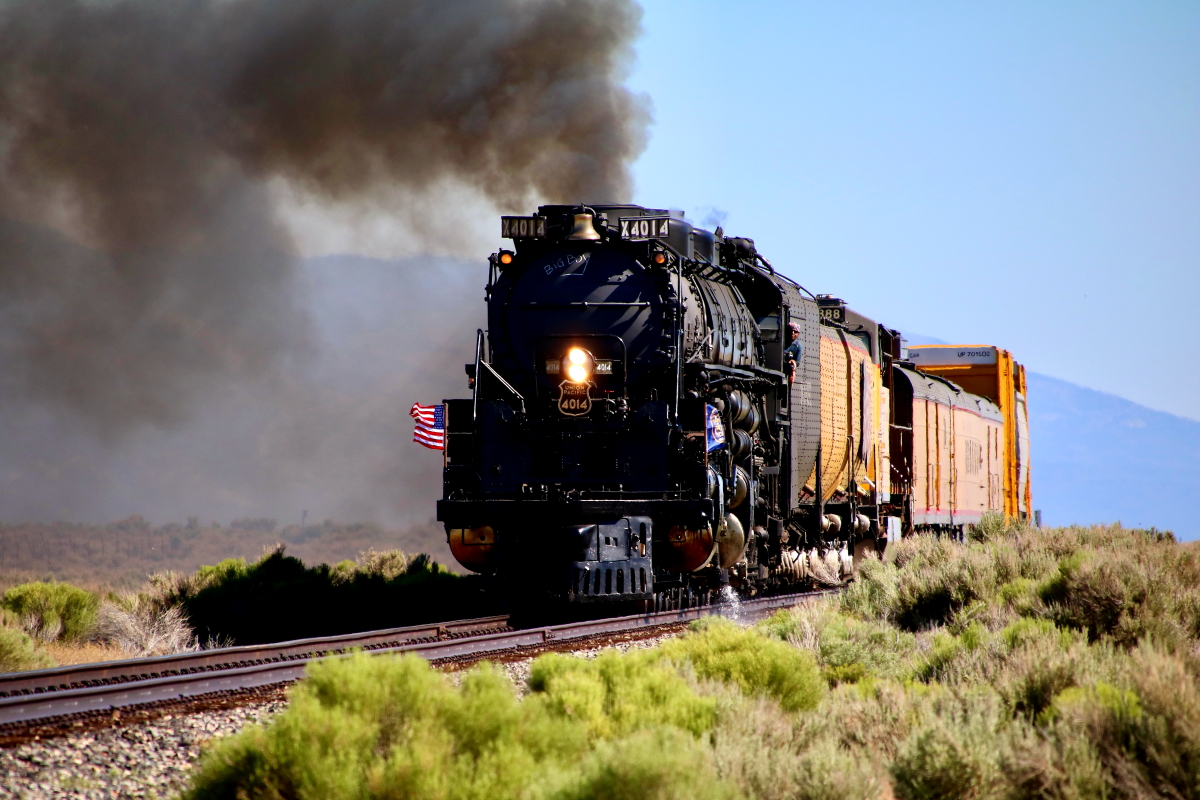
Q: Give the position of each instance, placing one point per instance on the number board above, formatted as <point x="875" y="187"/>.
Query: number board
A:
<point x="523" y="227"/>
<point x="641" y="228"/>
<point x="834" y="313"/>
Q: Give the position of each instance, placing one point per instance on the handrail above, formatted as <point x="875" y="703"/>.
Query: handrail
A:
<point x="475" y="387"/>
<point x="480" y="366"/>
<point x="504" y="383"/>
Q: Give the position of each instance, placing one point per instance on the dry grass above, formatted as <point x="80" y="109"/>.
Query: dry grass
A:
<point x="68" y="653"/>
<point x="140" y="628"/>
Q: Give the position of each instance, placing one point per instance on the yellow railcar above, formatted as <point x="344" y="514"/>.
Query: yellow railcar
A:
<point x="991" y="373"/>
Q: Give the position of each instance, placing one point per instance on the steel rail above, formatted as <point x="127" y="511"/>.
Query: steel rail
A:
<point x="61" y="678"/>
<point x="221" y="677"/>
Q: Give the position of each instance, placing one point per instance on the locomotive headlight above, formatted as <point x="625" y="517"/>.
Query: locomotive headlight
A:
<point x="578" y="365"/>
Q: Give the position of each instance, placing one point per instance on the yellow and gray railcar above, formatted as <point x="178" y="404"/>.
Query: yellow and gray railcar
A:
<point x="974" y="375"/>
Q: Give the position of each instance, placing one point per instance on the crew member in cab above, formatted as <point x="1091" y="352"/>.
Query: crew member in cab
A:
<point x="794" y="350"/>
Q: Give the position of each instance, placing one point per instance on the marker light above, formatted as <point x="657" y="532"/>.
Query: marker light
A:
<point x="506" y="257"/>
<point x="660" y="258"/>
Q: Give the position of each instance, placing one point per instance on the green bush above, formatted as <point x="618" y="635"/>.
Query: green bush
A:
<point x="18" y="652"/>
<point x="848" y="649"/>
<point x="52" y="611"/>
<point x="874" y="592"/>
<point x="722" y="651"/>
<point x="392" y="727"/>
<point x="762" y="751"/>
<point x="1145" y="728"/>
<point x="1025" y="663"/>
<point x="615" y="694"/>
<point x="954" y="749"/>
<point x="278" y="598"/>
<point x="1143" y="588"/>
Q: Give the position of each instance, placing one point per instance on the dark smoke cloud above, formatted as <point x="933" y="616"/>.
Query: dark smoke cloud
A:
<point x="143" y="267"/>
<point x="331" y="436"/>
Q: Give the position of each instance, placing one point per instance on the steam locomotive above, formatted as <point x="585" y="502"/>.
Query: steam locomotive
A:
<point x="642" y="430"/>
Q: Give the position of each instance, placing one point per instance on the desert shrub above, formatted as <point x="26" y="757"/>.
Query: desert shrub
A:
<point x="1025" y="663"/>
<point x="654" y="764"/>
<point x="278" y="598"/>
<point x="390" y="564"/>
<point x="392" y="727"/>
<point x="142" y="628"/>
<point x="873" y="593"/>
<point x="992" y="526"/>
<point x="944" y="648"/>
<point x="760" y="749"/>
<point x="956" y="752"/>
<point x="1036" y="672"/>
<point x="1026" y="630"/>
<point x="789" y="624"/>
<point x="1039" y="765"/>
<point x="1137" y="588"/>
<point x="1019" y="594"/>
<point x="847" y="648"/>
<point x="940" y="579"/>
<point x="52" y="611"/>
<point x="18" y="652"/>
<point x="615" y="694"/>
<point x="720" y="650"/>
<point x="1145" y="727"/>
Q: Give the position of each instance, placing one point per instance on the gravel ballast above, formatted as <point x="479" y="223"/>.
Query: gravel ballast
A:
<point x="153" y="759"/>
<point x="149" y="759"/>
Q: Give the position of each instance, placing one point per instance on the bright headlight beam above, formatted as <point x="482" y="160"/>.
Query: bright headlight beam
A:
<point x="577" y="373"/>
<point x="577" y="356"/>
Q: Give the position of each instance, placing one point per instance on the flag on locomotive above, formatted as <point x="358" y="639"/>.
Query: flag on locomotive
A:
<point x="429" y="426"/>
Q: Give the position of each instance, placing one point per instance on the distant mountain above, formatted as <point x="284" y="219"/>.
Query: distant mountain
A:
<point x="1100" y="458"/>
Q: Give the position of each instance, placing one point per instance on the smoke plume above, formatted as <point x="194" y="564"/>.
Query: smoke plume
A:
<point x="144" y="267"/>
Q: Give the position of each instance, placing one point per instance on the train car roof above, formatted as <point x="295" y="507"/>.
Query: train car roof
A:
<point x="940" y="390"/>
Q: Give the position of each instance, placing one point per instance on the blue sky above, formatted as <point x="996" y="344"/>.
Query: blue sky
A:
<point x="1020" y="174"/>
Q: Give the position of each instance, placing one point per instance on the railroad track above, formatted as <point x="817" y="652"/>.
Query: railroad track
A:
<point x="55" y="700"/>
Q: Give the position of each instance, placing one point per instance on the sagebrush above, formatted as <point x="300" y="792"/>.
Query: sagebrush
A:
<point x="1023" y="663"/>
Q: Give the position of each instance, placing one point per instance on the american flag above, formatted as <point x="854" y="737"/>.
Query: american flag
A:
<point x="429" y="428"/>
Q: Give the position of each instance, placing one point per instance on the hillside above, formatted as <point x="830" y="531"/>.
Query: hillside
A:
<point x="121" y="554"/>
<point x="1100" y="458"/>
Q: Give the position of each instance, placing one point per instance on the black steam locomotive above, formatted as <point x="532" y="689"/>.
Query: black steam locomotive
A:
<point x="637" y="431"/>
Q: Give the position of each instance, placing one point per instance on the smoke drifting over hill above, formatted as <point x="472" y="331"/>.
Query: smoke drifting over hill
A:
<point x="145" y="131"/>
<point x="150" y="290"/>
